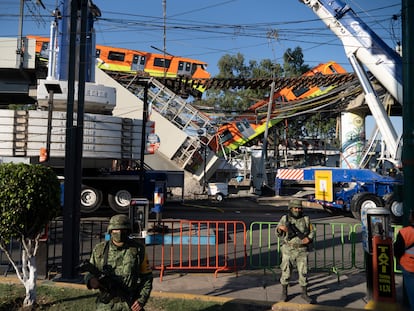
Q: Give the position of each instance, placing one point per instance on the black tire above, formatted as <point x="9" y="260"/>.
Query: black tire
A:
<point x="90" y="199"/>
<point x="219" y="197"/>
<point x="395" y="207"/>
<point x="119" y="201"/>
<point x="363" y="200"/>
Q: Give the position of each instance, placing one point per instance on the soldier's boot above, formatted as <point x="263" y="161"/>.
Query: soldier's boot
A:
<point x="284" y="295"/>
<point x="305" y="296"/>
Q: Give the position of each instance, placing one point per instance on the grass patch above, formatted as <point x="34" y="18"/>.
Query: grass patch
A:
<point x="55" y="298"/>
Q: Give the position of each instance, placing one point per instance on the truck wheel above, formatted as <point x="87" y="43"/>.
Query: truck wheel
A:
<point x="91" y="199"/>
<point x="395" y="207"/>
<point x="119" y="201"/>
<point x="219" y="197"/>
<point x="364" y="200"/>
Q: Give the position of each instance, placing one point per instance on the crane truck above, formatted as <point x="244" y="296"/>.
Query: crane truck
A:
<point x="351" y="189"/>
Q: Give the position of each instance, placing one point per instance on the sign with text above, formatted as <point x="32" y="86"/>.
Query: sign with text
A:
<point x="323" y="185"/>
<point x="383" y="269"/>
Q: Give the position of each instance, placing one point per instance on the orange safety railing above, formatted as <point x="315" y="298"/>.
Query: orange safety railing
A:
<point x="197" y="245"/>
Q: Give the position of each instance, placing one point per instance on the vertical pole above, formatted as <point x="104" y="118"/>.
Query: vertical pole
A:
<point x="408" y="104"/>
<point x="70" y="247"/>
<point x="19" y="51"/>
<point x="262" y="174"/>
<point x="74" y="143"/>
<point x="408" y="108"/>
<point x="164" y="10"/>
<point x="143" y="140"/>
<point x="205" y="167"/>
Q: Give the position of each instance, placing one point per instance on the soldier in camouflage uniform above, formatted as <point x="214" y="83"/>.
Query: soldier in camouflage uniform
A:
<point x="297" y="233"/>
<point x="125" y="262"/>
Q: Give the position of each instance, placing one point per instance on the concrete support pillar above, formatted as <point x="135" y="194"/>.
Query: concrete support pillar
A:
<point x="352" y="139"/>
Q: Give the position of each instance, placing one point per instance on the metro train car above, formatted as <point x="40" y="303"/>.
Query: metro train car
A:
<point x="248" y="126"/>
<point x="300" y="92"/>
<point x="133" y="61"/>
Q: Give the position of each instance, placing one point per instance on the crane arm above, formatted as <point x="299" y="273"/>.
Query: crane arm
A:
<point x="360" y="40"/>
<point x="363" y="46"/>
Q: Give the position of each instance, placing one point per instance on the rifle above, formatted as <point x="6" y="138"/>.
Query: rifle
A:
<point x="293" y="231"/>
<point x="110" y="287"/>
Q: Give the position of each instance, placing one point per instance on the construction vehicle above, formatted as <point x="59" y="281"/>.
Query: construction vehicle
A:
<point x="351" y="189"/>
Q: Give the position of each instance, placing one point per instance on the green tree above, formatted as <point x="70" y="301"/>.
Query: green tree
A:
<point x="29" y="199"/>
<point x="313" y="126"/>
<point x="294" y="65"/>
<point x="239" y="98"/>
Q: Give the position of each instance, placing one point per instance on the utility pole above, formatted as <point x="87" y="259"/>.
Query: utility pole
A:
<point x="408" y="108"/>
<point x="74" y="144"/>
<point x="164" y="10"/>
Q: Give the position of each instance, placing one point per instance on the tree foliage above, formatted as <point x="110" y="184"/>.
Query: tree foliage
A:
<point x="294" y="65"/>
<point x="29" y="199"/>
<point x="319" y="126"/>
<point x="236" y="67"/>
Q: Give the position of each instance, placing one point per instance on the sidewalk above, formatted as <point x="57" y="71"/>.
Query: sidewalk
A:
<point x="255" y="290"/>
<point x="331" y="292"/>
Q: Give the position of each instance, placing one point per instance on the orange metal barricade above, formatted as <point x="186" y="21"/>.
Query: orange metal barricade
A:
<point x="198" y="245"/>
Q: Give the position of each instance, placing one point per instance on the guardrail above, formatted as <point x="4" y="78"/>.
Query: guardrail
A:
<point x="334" y="247"/>
<point x="202" y="245"/>
<point x="198" y="246"/>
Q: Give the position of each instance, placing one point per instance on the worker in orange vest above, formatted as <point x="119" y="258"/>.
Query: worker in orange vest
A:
<point x="404" y="252"/>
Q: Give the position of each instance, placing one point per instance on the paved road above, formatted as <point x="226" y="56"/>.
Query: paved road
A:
<point x="347" y="289"/>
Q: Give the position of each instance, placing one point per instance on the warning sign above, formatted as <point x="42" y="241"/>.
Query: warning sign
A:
<point x="323" y="185"/>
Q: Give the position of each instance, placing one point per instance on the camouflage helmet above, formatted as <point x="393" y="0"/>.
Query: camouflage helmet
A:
<point x="295" y="203"/>
<point x="120" y="221"/>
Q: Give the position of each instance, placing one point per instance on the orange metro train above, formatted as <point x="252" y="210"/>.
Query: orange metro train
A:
<point x="133" y="61"/>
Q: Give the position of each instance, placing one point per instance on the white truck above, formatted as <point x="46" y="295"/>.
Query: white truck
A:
<point x="112" y="146"/>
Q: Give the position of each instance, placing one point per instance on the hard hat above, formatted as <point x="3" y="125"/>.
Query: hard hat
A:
<point x="119" y="222"/>
<point x="295" y="203"/>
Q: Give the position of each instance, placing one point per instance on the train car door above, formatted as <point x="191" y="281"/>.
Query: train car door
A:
<point x="245" y="128"/>
<point x="184" y="69"/>
<point x="138" y="63"/>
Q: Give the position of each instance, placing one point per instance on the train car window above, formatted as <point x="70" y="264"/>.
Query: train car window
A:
<point x="180" y="66"/>
<point x="281" y="98"/>
<point x="193" y="68"/>
<point x="44" y="52"/>
<point x="161" y="62"/>
<point x="45" y="46"/>
<point x="300" y="91"/>
<point x="135" y="59"/>
<point x="246" y="123"/>
<point x="116" y="56"/>
<point x="98" y="53"/>
<point x="332" y="68"/>
<point x="142" y="60"/>
<point x="187" y="66"/>
<point x="225" y="136"/>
